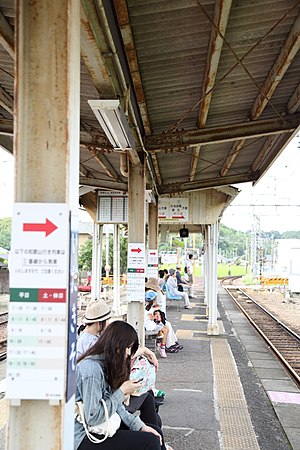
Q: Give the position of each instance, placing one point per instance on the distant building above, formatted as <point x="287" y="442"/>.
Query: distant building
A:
<point x="288" y="262"/>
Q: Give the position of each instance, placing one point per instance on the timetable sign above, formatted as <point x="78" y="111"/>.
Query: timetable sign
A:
<point x="112" y="207"/>
<point x="152" y="263"/>
<point x="39" y="275"/>
<point x="136" y="272"/>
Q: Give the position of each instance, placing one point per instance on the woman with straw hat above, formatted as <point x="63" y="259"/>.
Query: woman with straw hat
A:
<point x="95" y="321"/>
<point x="152" y="285"/>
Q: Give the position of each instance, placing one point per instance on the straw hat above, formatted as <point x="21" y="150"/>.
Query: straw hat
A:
<point x="152" y="284"/>
<point x="97" y="311"/>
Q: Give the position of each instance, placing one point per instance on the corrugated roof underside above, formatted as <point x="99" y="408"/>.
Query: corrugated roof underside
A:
<point x="234" y="96"/>
<point x="171" y="39"/>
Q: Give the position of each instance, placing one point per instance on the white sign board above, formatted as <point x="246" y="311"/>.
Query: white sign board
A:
<point x="136" y="272"/>
<point x="39" y="276"/>
<point x="152" y="263"/>
<point x="112" y="207"/>
<point x="173" y="210"/>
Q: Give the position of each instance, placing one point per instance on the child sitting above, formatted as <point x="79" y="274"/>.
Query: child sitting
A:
<point x="150" y="325"/>
<point x="172" y="345"/>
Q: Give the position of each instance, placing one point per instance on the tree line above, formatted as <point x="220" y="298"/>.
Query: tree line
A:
<point x="232" y="243"/>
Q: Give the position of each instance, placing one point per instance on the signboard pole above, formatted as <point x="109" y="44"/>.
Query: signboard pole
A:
<point x="46" y="148"/>
<point x="136" y="249"/>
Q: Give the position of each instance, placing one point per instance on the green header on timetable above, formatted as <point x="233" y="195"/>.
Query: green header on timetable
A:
<point x="46" y="295"/>
<point x="136" y="270"/>
<point x="24" y="295"/>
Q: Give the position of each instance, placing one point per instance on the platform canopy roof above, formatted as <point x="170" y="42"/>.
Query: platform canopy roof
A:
<point x="210" y="88"/>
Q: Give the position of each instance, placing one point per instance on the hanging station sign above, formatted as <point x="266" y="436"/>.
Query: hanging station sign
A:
<point x="173" y="210"/>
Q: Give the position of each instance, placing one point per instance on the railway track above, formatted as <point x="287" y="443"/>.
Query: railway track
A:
<point x="284" y="341"/>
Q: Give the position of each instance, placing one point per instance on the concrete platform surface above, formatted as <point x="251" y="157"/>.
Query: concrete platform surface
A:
<point x="226" y="392"/>
<point x="219" y="388"/>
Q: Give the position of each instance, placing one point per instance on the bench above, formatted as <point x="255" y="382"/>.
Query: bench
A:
<point x="171" y="297"/>
<point x="151" y="340"/>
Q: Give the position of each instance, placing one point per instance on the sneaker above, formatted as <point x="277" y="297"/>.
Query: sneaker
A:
<point x="162" y="352"/>
<point x="172" y="349"/>
<point x="180" y="347"/>
<point x="188" y="307"/>
<point x="158" y="392"/>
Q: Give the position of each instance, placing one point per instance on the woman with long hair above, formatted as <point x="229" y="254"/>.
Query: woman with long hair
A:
<point x="103" y="373"/>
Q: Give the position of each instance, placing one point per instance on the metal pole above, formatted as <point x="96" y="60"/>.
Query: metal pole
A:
<point x="107" y="266"/>
<point x="116" y="288"/>
<point x="213" y="326"/>
<point x="95" y="267"/>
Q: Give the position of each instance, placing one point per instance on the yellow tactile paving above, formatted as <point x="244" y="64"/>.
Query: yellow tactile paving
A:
<point x="236" y="428"/>
<point x="188" y="317"/>
<point x="189" y="334"/>
<point x="3" y="412"/>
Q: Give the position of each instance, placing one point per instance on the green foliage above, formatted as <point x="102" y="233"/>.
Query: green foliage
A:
<point x="85" y="255"/>
<point x="232" y="243"/>
<point x="123" y="254"/>
<point x="5" y="232"/>
<point x="291" y="235"/>
<point x="176" y="242"/>
<point x="235" y="270"/>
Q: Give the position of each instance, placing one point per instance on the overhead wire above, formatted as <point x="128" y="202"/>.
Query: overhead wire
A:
<point x="239" y="61"/>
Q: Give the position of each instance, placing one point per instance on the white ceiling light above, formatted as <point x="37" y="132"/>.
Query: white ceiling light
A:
<point x="113" y="122"/>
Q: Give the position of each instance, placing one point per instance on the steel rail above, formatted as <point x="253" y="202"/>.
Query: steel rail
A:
<point x="284" y="327"/>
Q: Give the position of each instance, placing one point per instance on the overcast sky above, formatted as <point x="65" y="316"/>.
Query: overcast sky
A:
<point x="275" y="199"/>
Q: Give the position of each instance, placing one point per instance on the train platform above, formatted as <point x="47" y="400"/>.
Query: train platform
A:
<point x="225" y="392"/>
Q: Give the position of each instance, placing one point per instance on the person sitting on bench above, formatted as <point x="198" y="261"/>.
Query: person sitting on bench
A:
<point x="172" y="285"/>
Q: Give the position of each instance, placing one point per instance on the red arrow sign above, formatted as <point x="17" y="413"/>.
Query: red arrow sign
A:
<point x="48" y="227"/>
<point x="136" y="250"/>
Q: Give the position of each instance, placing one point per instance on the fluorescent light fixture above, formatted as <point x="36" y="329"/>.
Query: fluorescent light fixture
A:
<point x="150" y="197"/>
<point x="113" y="122"/>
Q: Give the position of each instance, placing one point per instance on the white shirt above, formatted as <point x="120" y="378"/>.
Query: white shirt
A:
<point x="189" y="266"/>
<point x="85" y="341"/>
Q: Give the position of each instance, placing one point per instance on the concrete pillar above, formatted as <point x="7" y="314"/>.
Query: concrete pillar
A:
<point x="47" y="105"/>
<point x="205" y="267"/>
<point x="213" y="326"/>
<point x="136" y="234"/>
<point x="116" y="291"/>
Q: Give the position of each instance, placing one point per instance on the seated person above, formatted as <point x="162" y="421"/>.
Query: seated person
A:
<point x="172" y="345"/>
<point x="103" y="374"/>
<point x="150" y="325"/>
<point x="95" y="321"/>
<point x="172" y="285"/>
<point x="181" y="281"/>
<point x="160" y="301"/>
